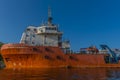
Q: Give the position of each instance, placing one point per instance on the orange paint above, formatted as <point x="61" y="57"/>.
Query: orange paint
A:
<point x="25" y="56"/>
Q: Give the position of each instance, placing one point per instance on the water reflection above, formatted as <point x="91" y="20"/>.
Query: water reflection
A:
<point x="60" y="74"/>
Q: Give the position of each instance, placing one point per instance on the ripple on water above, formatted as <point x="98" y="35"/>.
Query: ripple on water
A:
<point x="61" y="74"/>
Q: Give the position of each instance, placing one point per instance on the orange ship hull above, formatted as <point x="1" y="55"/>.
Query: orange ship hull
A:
<point x="24" y="56"/>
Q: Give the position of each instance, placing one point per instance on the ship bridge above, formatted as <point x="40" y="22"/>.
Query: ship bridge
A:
<point x="49" y="30"/>
<point x="44" y="35"/>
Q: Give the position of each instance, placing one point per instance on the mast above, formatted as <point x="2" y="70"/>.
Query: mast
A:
<point x="49" y="17"/>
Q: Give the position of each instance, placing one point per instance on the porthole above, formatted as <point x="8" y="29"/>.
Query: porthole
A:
<point x="49" y="50"/>
<point x="47" y="57"/>
<point x="7" y="59"/>
<point x="73" y="58"/>
<point x="59" y="57"/>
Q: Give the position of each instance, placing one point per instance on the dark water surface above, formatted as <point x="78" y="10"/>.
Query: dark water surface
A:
<point x="61" y="74"/>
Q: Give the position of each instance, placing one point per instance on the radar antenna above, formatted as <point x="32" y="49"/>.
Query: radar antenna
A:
<point x="49" y="17"/>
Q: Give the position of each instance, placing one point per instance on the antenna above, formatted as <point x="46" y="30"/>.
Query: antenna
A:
<point x="49" y="12"/>
<point x="43" y="22"/>
<point x="49" y="17"/>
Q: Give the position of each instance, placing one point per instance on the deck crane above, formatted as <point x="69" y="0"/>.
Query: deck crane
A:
<point x="112" y="58"/>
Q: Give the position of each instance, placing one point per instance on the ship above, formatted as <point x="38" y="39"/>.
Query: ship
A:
<point x="43" y="47"/>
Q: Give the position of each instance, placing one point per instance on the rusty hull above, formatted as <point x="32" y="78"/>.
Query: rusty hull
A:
<point x="25" y="56"/>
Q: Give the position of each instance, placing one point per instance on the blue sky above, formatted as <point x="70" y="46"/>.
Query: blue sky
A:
<point x="84" y="22"/>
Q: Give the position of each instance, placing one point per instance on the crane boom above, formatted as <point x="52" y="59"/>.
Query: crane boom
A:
<point x="112" y="53"/>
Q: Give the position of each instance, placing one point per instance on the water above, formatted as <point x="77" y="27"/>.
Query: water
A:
<point x="61" y="74"/>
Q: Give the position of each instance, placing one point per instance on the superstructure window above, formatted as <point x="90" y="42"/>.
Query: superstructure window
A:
<point x="33" y="35"/>
<point x="35" y="30"/>
<point x="47" y="28"/>
<point x="41" y="30"/>
<point x="27" y="35"/>
<point x="26" y="41"/>
<point x="33" y="43"/>
<point x="28" y="29"/>
<point x="53" y="28"/>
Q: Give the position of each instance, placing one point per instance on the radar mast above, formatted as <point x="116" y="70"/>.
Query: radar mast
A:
<point x="49" y="17"/>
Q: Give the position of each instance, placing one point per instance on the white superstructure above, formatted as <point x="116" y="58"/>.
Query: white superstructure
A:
<point x="44" y="35"/>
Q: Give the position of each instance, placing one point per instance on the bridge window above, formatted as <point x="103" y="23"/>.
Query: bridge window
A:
<point x="28" y="29"/>
<point x="50" y="28"/>
<point x="35" y="30"/>
<point x="33" y="35"/>
<point x="27" y="35"/>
